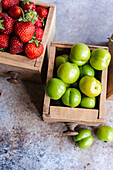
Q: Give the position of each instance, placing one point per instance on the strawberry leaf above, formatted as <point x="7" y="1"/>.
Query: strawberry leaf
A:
<point x="1" y="25"/>
<point x="30" y="6"/>
<point x="34" y="38"/>
<point x="42" y="20"/>
<point x="37" y="43"/>
<point x="110" y="39"/>
<point x="35" y="33"/>
<point x="31" y="16"/>
<point x="2" y="49"/>
<point x="26" y="2"/>
<point x="30" y="41"/>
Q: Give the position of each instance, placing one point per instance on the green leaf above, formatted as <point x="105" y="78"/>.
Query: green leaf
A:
<point x="110" y="39"/>
<point x="36" y="19"/>
<point x="2" y="49"/>
<point x="42" y="20"/>
<point x="34" y="38"/>
<point x="22" y="12"/>
<point x="30" y="6"/>
<point x="26" y="2"/>
<point x="1" y="25"/>
<point x="35" y="33"/>
<point x="33" y="22"/>
<point x="30" y="41"/>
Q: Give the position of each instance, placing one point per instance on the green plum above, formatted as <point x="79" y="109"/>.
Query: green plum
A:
<point x="68" y="72"/>
<point x="86" y="70"/>
<point x="88" y="102"/>
<point x="71" y="97"/>
<point x="100" y="59"/>
<point x="61" y="59"/>
<point x="105" y="133"/>
<point x="55" y="88"/>
<point x="80" y="54"/>
<point x="90" y="86"/>
<point x="84" y="138"/>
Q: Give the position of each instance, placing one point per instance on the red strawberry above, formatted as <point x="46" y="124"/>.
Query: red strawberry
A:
<point x="15" y="12"/>
<point x="6" y="4"/>
<point x="16" y="45"/>
<point x="6" y="25"/>
<point x="2" y="14"/>
<point x="39" y="33"/>
<point x="42" y="12"/>
<point x="26" y="5"/>
<point x="24" y="31"/>
<point x="4" y="41"/>
<point x="33" y="51"/>
<point x="39" y="23"/>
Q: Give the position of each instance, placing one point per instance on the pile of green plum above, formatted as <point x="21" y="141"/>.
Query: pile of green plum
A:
<point x="84" y="139"/>
<point x="76" y="83"/>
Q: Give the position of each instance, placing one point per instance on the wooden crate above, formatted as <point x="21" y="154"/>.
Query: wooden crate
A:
<point x="22" y="64"/>
<point x="67" y="114"/>
<point x="110" y="73"/>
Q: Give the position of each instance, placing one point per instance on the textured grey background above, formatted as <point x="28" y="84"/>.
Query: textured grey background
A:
<point x="26" y="142"/>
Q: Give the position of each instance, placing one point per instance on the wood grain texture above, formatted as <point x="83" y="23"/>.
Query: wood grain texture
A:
<point x="21" y="61"/>
<point x="66" y="114"/>
<point x="102" y="99"/>
<point x="110" y="73"/>
<point x="47" y="118"/>
<point x="69" y="45"/>
<point x="49" y="75"/>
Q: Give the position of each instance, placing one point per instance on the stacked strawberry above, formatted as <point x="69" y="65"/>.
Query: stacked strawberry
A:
<point x="21" y="27"/>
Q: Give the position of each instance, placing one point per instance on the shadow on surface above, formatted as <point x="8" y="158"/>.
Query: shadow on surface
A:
<point x="36" y="94"/>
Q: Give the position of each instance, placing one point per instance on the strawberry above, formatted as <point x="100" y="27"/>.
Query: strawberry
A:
<point x="33" y="51"/>
<point x="39" y="22"/>
<point x="6" y="4"/>
<point x="2" y="14"/>
<point x="26" y="5"/>
<point x="16" y="45"/>
<point x="39" y="33"/>
<point x="42" y="12"/>
<point x="24" y="31"/>
<point x="15" y="12"/>
<point x="4" y="41"/>
<point x="6" y="25"/>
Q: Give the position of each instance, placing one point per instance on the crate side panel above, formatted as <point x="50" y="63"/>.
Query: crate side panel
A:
<point x="49" y="75"/>
<point x="73" y="114"/>
<point x="26" y="74"/>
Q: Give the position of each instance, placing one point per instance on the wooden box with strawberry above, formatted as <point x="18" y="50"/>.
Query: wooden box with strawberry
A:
<point x="76" y="84"/>
<point x="26" y="30"/>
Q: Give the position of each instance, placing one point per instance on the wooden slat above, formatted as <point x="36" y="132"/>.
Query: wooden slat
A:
<point x="18" y="61"/>
<point x="102" y="102"/>
<point x="43" y="4"/>
<point x="68" y="114"/>
<point x="27" y="74"/>
<point x="69" y="45"/>
<point x="48" y="118"/>
<point x="49" y="75"/>
<point x="110" y="73"/>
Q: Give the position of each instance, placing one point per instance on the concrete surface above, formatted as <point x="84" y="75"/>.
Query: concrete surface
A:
<point x="26" y="142"/>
